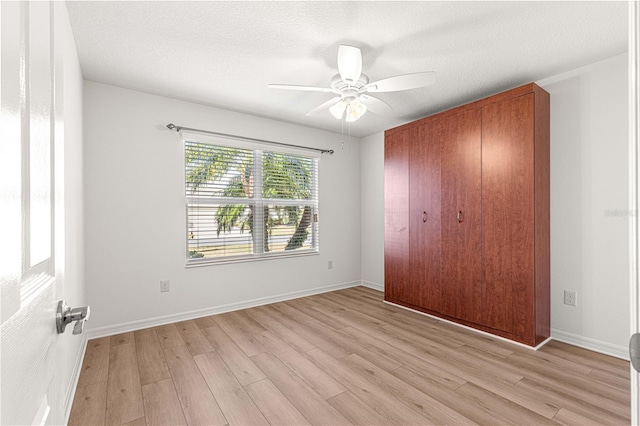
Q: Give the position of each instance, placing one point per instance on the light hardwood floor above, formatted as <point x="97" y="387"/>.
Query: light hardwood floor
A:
<point x="341" y="358"/>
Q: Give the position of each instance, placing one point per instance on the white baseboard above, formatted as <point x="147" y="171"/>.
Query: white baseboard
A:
<point x="372" y="285"/>
<point x="73" y="384"/>
<point x="591" y="344"/>
<point x="184" y="316"/>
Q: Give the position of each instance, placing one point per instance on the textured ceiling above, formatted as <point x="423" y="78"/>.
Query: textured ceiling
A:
<point x="225" y="53"/>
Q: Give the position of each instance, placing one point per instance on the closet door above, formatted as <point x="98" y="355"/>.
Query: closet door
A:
<point x="396" y="217"/>
<point x="462" y="288"/>
<point x="508" y="214"/>
<point x="424" y="219"/>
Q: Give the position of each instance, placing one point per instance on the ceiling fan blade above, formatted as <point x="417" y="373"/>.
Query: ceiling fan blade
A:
<point x="349" y="63"/>
<point x="304" y="88"/>
<point x="375" y="105"/>
<point x="402" y="82"/>
<point x="325" y="105"/>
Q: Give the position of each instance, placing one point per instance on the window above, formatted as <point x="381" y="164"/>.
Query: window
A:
<point x="248" y="201"/>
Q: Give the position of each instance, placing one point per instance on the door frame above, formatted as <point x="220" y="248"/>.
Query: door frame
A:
<point x="634" y="185"/>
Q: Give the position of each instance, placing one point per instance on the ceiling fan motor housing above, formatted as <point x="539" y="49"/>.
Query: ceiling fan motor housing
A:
<point x="339" y="85"/>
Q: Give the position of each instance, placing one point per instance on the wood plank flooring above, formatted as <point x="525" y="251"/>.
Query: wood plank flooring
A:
<point x="341" y="358"/>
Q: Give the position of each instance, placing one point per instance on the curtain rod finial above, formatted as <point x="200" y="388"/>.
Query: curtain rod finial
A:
<point x="172" y="126"/>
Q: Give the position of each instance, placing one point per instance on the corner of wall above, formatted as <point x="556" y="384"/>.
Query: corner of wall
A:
<point x="372" y="211"/>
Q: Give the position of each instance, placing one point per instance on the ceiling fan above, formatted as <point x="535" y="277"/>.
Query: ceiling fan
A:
<point x="353" y="87"/>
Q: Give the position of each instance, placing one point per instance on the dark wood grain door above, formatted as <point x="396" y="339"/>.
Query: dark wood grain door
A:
<point x="424" y="218"/>
<point x="462" y="288"/>
<point x="507" y="216"/>
<point x="396" y="216"/>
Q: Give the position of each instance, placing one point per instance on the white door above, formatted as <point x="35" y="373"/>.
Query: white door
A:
<point x="28" y="234"/>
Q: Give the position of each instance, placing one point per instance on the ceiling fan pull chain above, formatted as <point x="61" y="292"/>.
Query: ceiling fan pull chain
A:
<point x="342" y="133"/>
<point x="349" y="137"/>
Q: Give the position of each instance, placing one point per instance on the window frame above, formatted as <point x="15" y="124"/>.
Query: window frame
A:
<point x="257" y="200"/>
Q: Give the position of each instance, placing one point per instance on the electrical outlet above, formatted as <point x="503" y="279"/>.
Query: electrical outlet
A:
<point x="164" y="286"/>
<point x="570" y="298"/>
<point x="330" y="264"/>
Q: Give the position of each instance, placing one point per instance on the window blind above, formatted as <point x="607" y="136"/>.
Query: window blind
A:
<point x="247" y="204"/>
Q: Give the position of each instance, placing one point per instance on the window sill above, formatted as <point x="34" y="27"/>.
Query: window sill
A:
<point x="197" y="263"/>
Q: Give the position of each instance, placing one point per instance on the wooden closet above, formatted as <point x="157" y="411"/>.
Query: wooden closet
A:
<point x="467" y="215"/>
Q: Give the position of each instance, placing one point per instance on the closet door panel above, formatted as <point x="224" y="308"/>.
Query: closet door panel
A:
<point x="508" y="214"/>
<point x="396" y="216"/>
<point x="462" y="287"/>
<point x="424" y="218"/>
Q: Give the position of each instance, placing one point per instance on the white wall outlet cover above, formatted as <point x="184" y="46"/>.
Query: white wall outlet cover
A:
<point x="570" y="298"/>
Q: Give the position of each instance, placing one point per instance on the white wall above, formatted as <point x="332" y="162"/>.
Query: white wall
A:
<point x="372" y="205"/>
<point x="589" y="199"/>
<point x="589" y="250"/>
<point x="135" y="214"/>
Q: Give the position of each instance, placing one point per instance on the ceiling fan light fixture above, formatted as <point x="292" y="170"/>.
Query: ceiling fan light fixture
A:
<point x="355" y="110"/>
<point x="337" y="110"/>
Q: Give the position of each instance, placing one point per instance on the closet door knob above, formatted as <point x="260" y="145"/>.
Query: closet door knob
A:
<point x="424" y="217"/>
<point x="460" y="216"/>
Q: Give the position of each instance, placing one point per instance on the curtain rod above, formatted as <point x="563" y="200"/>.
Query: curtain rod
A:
<point x="172" y="126"/>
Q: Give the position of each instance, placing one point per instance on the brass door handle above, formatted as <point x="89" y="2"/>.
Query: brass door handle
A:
<point x="460" y="216"/>
<point x="424" y="217"/>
